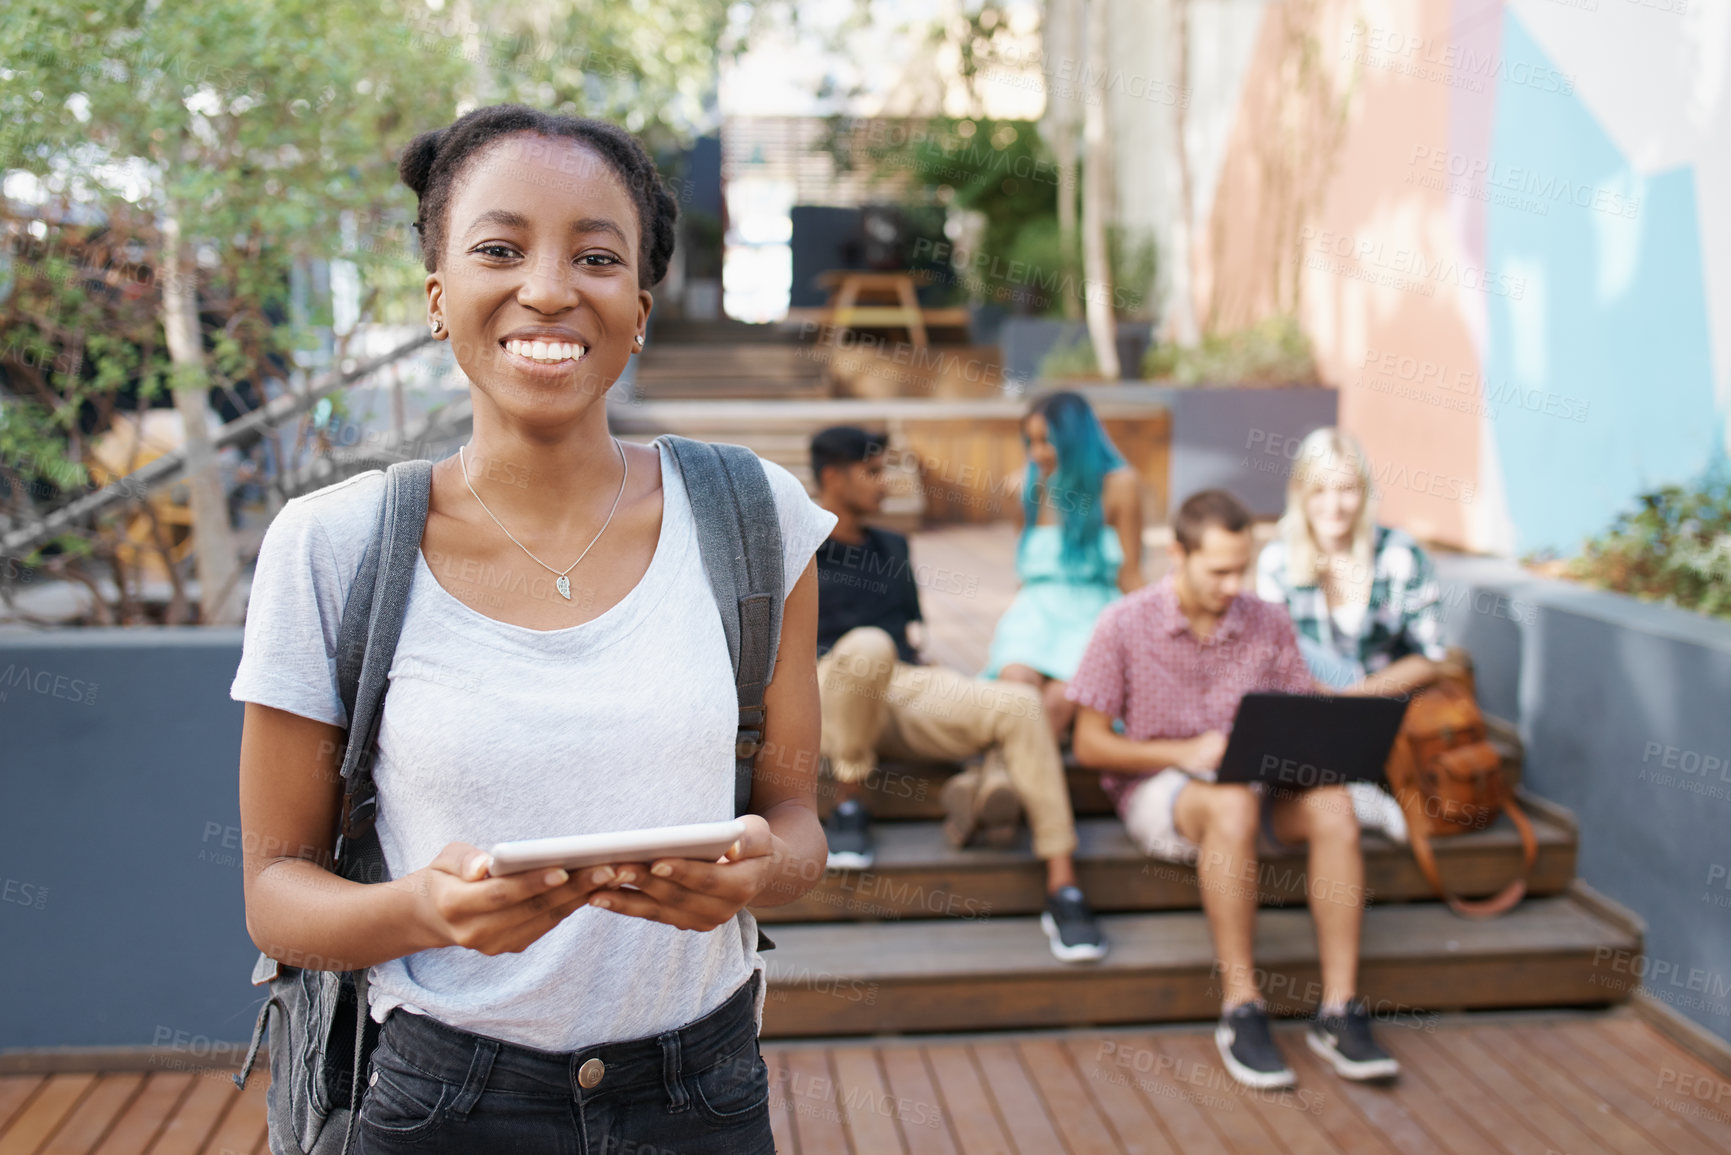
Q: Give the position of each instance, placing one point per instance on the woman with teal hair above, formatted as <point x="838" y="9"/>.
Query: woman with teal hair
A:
<point x="1080" y="549"/>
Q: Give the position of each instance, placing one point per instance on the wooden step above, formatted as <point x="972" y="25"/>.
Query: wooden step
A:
<point x="753" y="389"/>
<point x="697" y="385"/>
<point x="768" y="353"/>
<point x="727" y="371"/>
<point x="668" y="330"/>
<point x="900" y="791"/>
<point x="727" y="353"/>
<point x="917" y="875"/>
<point x="997" y="973"/>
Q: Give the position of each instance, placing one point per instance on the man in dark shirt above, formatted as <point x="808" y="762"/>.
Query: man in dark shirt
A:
<point x="880" y="698"/>
<point x="868" y="584"/>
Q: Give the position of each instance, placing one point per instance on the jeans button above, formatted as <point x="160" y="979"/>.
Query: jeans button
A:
<point x="590" y="1073"/>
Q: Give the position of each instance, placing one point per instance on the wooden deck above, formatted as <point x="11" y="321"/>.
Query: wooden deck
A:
<point x="1537" y="1084"/>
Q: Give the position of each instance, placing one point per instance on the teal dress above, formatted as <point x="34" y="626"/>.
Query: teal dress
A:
<point x="1048" y="623"/>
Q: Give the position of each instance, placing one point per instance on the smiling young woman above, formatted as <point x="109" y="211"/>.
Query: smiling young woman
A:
<point x="561" y="670"/>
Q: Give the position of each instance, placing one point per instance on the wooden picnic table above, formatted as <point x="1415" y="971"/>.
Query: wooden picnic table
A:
<point x="848" y="288"/>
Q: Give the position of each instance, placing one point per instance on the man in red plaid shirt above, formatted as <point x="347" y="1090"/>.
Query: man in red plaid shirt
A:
<point x="1170" y="662"/>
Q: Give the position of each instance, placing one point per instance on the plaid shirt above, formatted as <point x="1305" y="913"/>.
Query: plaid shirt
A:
<point x="1404" y="615"/>
<point x="1144" y="665"/>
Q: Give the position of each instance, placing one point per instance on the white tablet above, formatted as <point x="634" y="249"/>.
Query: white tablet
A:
<point x="704" y="840"/>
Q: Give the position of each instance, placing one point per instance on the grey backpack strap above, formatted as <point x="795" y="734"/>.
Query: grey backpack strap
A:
<point x="362" y="1010"/>
<point x="366" y="643"/>
<point x="739" y="536"/>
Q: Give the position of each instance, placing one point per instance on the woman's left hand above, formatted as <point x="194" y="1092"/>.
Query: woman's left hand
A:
<point x="694" y="895"/>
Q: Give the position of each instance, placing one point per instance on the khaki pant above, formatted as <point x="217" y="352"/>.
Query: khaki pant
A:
<point x="875" y="705"/>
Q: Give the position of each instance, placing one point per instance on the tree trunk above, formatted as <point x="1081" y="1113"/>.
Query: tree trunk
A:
<point x="1062" y="43"/>
<point x="479" y="80"/>
<point x="217" y="559"/>
<point x="1097" y="198"/>
<point x="1180" y="316"/>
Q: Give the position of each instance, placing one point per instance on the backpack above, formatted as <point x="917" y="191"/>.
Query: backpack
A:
<point x="1449" y="780"/>
<point x="322" y="1035"/>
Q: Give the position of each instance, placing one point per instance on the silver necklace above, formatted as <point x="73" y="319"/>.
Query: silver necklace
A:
<point x="563" y="584"/>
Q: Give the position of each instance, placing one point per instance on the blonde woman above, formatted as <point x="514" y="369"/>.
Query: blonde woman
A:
<point x="1364" y="598"/>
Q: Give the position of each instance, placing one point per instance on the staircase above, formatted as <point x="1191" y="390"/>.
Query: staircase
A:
<point x="707" y="360"/>
<point x="762" y="370"/>
<point x="936" y="939"/>
<point x="933" y="939"/>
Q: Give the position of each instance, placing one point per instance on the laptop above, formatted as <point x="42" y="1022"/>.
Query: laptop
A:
<point x="1299" y="741"/>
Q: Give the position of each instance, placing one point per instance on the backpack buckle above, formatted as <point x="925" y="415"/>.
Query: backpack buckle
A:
<point x="748" y="743"/>
<point x="362" y="809"/>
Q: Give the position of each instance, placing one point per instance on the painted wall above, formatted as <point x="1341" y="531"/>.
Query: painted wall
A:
<point x="1502" y="222"/>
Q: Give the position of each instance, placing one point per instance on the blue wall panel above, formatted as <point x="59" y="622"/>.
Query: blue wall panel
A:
<point x="1605" y="311"/>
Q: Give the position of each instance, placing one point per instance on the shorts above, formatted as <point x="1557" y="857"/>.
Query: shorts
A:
<point x="1148" y="816"/>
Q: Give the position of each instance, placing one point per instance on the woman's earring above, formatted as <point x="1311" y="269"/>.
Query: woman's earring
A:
<point x="640" y="340"/>
<point x="438" y="326"/>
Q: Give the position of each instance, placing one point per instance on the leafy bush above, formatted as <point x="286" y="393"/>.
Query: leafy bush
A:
<point x="1054" y="273"/>
<point x="1272" y="352"/>
<point x="1134" y="257"/>
<point x="998" y="168"/>
<point x="1674" y="547"/>
<point x="1073" y="360"/>
<point x="1004" y="171"/>
<point x="1131" y="254"/>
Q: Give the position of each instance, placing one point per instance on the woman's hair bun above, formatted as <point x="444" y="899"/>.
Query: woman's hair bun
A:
<point x="416" y="166"/>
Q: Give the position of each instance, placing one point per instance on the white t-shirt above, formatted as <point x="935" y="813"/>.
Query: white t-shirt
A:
<point x="493" y="731"/>
<point x="1348" y="619"/>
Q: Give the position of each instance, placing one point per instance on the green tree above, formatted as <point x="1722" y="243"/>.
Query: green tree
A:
<point x="648" y="67"/>
<point x="240" y="137"/>
<point x="247" y="130"/>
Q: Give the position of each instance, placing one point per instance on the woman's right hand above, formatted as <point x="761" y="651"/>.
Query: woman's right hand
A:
<point x="462" y="905"/>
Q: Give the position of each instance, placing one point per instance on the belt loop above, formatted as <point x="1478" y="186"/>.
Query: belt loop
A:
<point x="672" y="1072"/>
<point x="480" y="1066"/>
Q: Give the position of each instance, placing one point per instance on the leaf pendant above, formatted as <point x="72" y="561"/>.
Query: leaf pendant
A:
<point x="564" y="585"/>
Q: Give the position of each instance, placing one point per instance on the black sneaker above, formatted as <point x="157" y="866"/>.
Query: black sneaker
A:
<point x="850" y="837"/>
<point x="1071" y="927"/>
<point x="1345" y="1041"/>
<point x="1247" y="1048"/>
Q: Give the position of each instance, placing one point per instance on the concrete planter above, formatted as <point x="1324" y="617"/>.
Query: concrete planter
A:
<point x="121" y="896"/>
<point x="1621" y="706"/>
<point x="1025" y="342"/>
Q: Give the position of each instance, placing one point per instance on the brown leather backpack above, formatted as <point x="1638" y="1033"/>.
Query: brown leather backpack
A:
<point x="1449" y="779"/>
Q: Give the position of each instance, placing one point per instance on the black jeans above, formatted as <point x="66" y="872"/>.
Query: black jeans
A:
<point x="699" y="1089"/>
